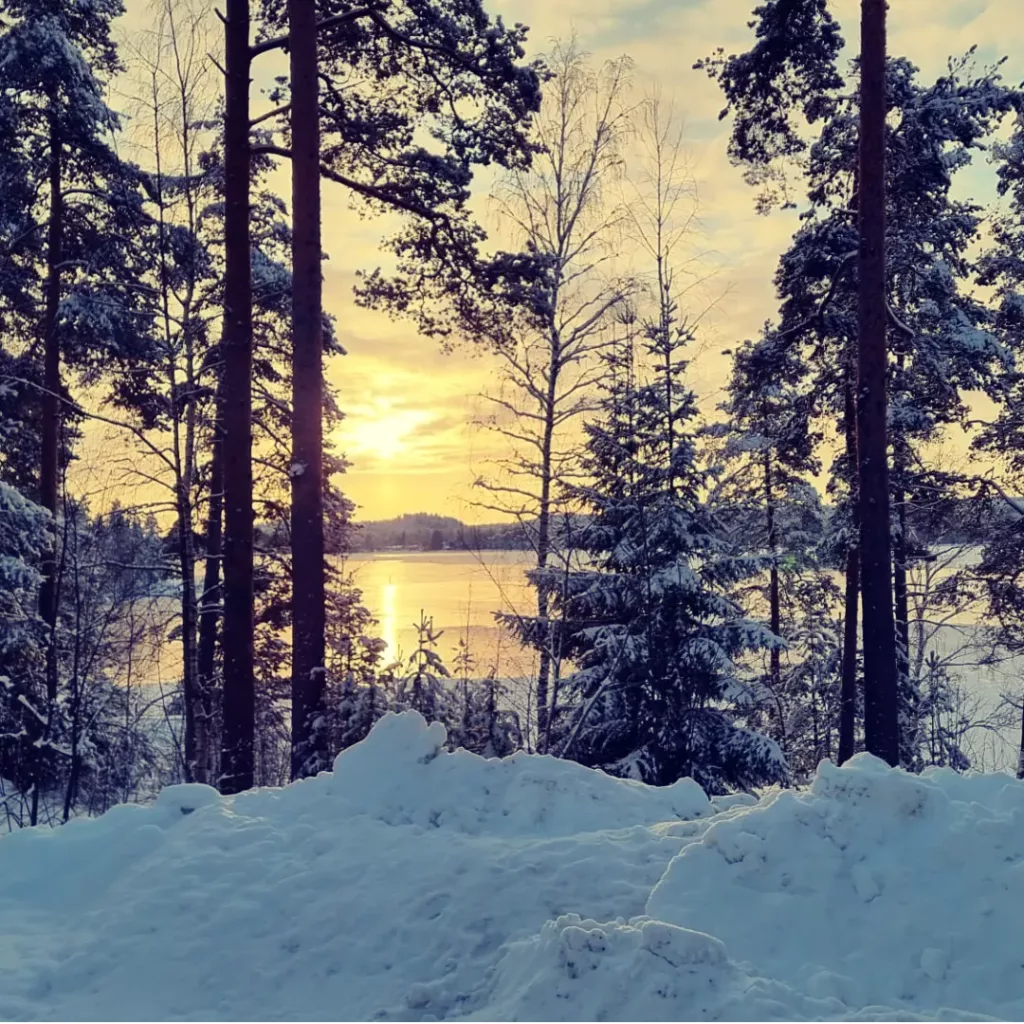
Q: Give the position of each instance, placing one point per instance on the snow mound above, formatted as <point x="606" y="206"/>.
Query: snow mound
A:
<point x="876" y="887"/>
<point x="638" y="970"/>
<point x="400" y="777"/>
<point x="415" y="884"/>
<point x="392" y="882"/>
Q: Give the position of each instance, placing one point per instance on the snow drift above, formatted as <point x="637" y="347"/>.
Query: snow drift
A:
<point x="414" y="884"/>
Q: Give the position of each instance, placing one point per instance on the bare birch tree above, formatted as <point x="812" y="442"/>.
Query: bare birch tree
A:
<point x="562" y="211"/>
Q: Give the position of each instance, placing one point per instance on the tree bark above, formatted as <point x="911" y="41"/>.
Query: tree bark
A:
<point x="881" y="729"/>
<point x="236" y="772"/>
<point x="310" y="752"/>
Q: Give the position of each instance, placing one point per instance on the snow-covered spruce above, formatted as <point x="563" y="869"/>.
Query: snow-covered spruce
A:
<point x="649" y="619"/>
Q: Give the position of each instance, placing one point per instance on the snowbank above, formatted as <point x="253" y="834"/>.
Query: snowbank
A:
<point x="410" y="883"/>
<point x="876" y="887"/>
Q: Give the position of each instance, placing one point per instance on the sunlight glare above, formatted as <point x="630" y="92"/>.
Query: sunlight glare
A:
<point x="384" y="436"/>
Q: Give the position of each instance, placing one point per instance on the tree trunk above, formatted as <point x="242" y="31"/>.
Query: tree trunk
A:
<point x="848" y="682"/>
<point x="1020" y="760"/>
<point x="543" y="553"/>
<point x="907" y="703"/>
<point x="210" y="604"/>
<point x="236" y="772"/>
<point x="49" y="468"/>
<point x="189" y="668"/>
<point x="774" y="609"/>
<point x="881" y="729"/>
<point x="310" y="753"/>
<point x="50" y="461"/>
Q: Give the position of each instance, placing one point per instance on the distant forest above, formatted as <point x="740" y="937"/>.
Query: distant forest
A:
<point x="422" y="531"/>
<point x="966" y="521"/>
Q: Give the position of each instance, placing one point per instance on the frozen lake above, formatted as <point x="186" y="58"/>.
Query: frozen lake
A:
<point x="463" y="590"/>
<point x="460" y="590"/>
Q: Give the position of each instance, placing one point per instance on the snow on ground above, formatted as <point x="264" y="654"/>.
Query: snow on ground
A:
<point x="414" y="884"/>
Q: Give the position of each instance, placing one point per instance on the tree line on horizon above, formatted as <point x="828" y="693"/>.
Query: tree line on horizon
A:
<point x="687" y="619"/>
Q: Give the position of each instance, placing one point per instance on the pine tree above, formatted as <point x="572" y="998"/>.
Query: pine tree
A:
<point x="309" y="714"/>
<point x="238" y="703"/>
<point x="70" y="263"/>
<point x="881" y="722"/>
<point x="792" y="70"/>
<point x="458" y="79"/>
<point x="937" y="346"/>
<point x="943" y="343"/>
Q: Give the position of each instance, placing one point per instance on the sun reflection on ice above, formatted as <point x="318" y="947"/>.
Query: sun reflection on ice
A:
<point x="388" y="621"/>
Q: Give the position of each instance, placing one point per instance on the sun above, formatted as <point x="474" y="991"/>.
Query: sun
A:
<point x="384" y="436"/>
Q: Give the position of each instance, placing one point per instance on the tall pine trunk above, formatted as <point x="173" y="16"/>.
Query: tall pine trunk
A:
<point x="236" y="772"/>
<point x="210" y="603"/>
<point x="309" y="752"/>
<point x="49" y="467"/>
<point x="848" y="680"/>
<point x="881" y="729"/>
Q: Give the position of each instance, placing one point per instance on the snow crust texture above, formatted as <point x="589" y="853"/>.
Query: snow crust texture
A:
<point x="415" y="884"/>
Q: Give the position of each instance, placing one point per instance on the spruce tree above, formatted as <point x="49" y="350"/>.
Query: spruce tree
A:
<point x="652" y="627"/>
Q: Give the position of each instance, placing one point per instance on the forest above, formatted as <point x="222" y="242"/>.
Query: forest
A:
<point x="728" y="591"/>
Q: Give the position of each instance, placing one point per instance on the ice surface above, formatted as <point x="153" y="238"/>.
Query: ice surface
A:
<point x="415" y="884"/>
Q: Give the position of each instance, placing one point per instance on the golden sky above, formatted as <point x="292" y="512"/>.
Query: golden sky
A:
<point x="410" y="409"/>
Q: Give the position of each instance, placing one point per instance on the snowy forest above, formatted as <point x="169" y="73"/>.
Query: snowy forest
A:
<point x="768" y="760"/>
<point x="728" y="592"/>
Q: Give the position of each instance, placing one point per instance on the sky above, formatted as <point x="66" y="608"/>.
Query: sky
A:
<point x="410" y="430"/>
